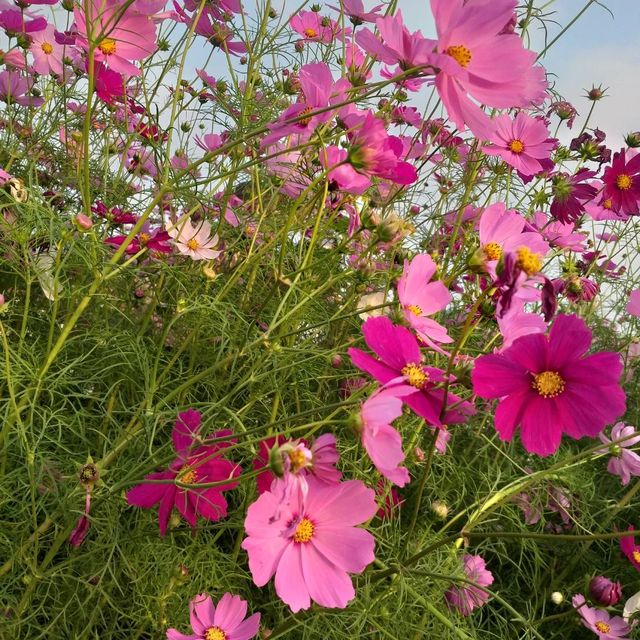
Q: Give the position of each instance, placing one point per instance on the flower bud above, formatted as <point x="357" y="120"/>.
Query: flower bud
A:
<point x="633" y="139"/>
<point x="276" y="462"/>
<point x="440" y="509"/>
<point x="605" y="591"/>
<point x="336" y="360"/>
<point x="595" y="93"/>
<point x="88" y="474"/>
<point x="557" y="598"/>
<point x="84" y="222"/>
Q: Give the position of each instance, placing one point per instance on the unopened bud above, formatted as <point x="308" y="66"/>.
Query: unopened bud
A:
<point x="439" y="509"/>
<point x="633" y="139"/>
<point x="557" y="598"/>
<point x="84" y="221"/>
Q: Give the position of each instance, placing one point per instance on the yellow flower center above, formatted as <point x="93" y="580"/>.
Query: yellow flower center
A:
<point x="528" y="261"/>
<point x="298" y="460"/>
<point x="607" y="204"/>
<point x="187" y="475"/>
<point x="516" y="146"/>
<point x="310" y="33"/>
<point x="304" y="531"/>
<point x="492" y="251"/>
<point x="415" y="309"/>
<point x="46" y="48"/>
<point x="144" y="238"/>
<point x="416" y="376"/>
<point x="193" y="244"/>
<point x="602" y="627"/>
<point x="107" y="46"/>
<point x="636" y="556"/>
<point x="304" y="121"/>
<point x="548" y="384"/>
<point x="460" y="54"/>
<point x="624" y="182"/>
<point x="215" y="633"/>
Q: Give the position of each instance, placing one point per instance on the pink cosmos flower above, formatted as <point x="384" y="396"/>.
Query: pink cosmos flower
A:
<point x="195" y="464"/>
<point x="314" y="28"/>
<point x="381" y="441"/>
<point x="479" y="60"/>
<point x="14" y="89"/>
<point x="557" y="234"/>
<point x="548" y="386"/>
<point x="312" y="542"/>
<point x="400" y="365"/>
<point x="630" y="549"/>
<point x="522" y="142"/>
<point x="624" y="463"/>
<point x="570" y="194"/>
<point x="633" y="306"/>
<point x="599" y="621"/>
<point x="219" y="35"/>
<point x="14" y="22"/>
<point x="123" y="38"/>
<point x="467" y="597"/>
<point x="155" y="240"/>
<point x="47" y="53"/>
<point x="420" y="298"/>
<point x="503" y="231"/>
<point x="298" y="460"/>
<point x="194" y="241"/>
<point x="622" y="181"/>
<point x="226" y="621"/>
<point x="356" y="12"/>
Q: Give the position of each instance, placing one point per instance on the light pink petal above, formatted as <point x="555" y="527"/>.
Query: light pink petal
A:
<point x="247" y="629"/>
<point x="328" y="585"/>
<point x="174" y="634"/>
<point x="290" y="582"/>
<point x="230" y="612"/>
<point x="350" y="548"/>
<point x="201" y="613"/>
<point x="348" y="504"/>
<point x="633" y="306"/>
<point x="264" y="556"/>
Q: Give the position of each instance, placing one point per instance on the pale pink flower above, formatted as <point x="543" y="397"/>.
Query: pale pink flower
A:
<point x="624" y="463"/>
<point x="47" y="53"/>
<point x="194" y="241"/>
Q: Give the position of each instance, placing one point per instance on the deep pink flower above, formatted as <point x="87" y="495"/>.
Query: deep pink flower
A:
<point x="605" y="591"/>
<point x="478" y="60"/>
<point x="622" y="181"/>
<point x="630" y="549"/>
<point x="548" y="386"/>
<point x="570" y="194"/>
<point x="381" y="441"/>
<point x="115" y="215"/>
<point x="522" y="142"/>
<point x="125" y="38"/>
<point x="624" y="463"/>
<point x="155" y="240"/>
<point x="298" y="459"/>
<point x="420" y="298"/>
<point x="224" y="621"/>
<point x="400" y="364"/>
<point x="599" y="621"/>
<point x="110" y="85"/>
<point x="312" y="542"/>
<point x="467" y="597"/>
<point x="195" y="464"/>
<point x="14" y="22"/>
<point x="83" y="524"/>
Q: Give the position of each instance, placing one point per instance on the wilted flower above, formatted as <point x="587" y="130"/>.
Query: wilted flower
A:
<point x="467" y="597"/>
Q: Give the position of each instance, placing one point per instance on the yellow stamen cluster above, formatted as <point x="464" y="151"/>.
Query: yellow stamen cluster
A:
<point x="304" y="531"/>
<point x="193" y="244"/>
<point x="636" y="556"/>
<point x="46" y="47"/>
<point x="460" y="54"/>
<point x="304" y="121"/>
<point x="492" y="251"/>
<point x="187" y="475"/>
<point x="516" y="146"/>
<point x="415" y="309"/>
<point x="215" y="633"/>
<point x="624" y="182"/>
<point x="144" y="238"/>
<point x="528" y="261"/>
<point x="310" y="33"/>
<point x="108" y="46"/>
<point x="608" y="203"/>
<point x="298" y="460"/>
<point x="602" y="627"/>
<point x="416" y="376"/>
<point x="548" y="384"/>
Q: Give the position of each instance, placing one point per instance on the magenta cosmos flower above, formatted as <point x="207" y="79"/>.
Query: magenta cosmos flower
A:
<point x="226" y="621"/>
<point x="195" y="464"/>
<point x="124" y="37"/>
<point x="297" y="460"/>
<point x="312" y="542"/>
<point x="624" y="463"/>
<point x="399" y="363"/>
<point x="522" y="142"/>
<point x="599" y="621"/>
<point x="630" y="549"/>
<point x="622" y="181"/>
<point x="420" y="298"/>
<point x="480" y="61"/>
<point x="381" y="441"/>
<point x="548" y="386"/>
<point x="468" y="597"/>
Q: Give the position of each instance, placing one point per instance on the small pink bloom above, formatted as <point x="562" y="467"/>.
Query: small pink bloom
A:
<point x="467" y="597"/>
<point x="622" y="181"/>
<point x="381" y="441"/>
<point x="195" y="464"/>
<point x="420" y="298"/>
<point x="312" y="542"/>
<point x="522" y="142"/>
<point x="599" y="621"/>
<point x="224" y="621"/>
<point x="194" y="241"/>
<point x="315" y="28"/>
<point x="548" y="386"/>
<point x="633" y="306"/>
<point x="624" y="463"/>
<point x="356" y="11"/>
<point x="47" y="53"/>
